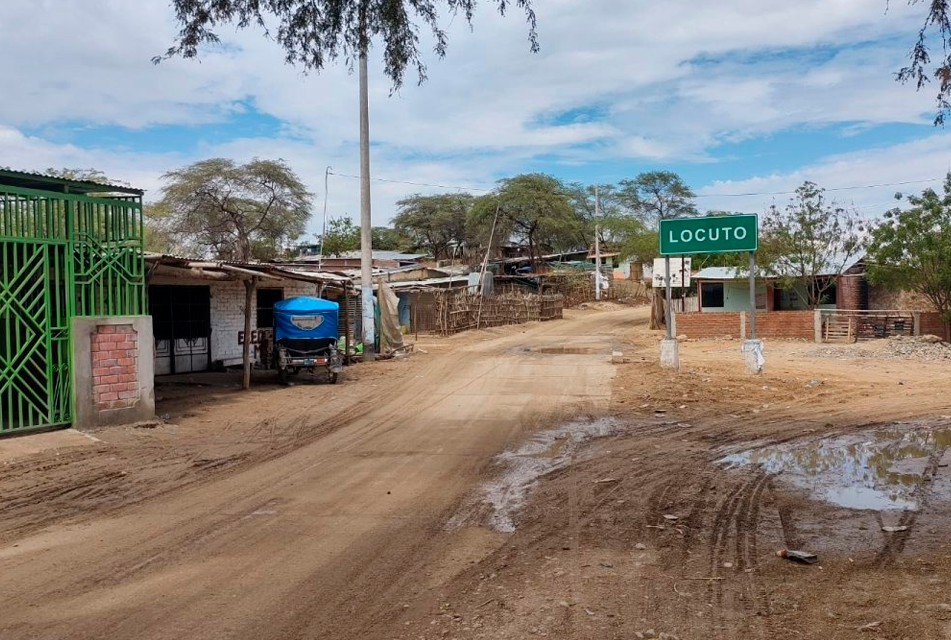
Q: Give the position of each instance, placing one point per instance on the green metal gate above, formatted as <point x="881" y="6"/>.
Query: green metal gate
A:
<point x="63" y="253"/>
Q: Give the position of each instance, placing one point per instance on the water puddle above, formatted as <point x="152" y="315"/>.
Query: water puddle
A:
<point x="580" y="351"/>
<point x="881" y="469"/>
<point x="497" y="502"/>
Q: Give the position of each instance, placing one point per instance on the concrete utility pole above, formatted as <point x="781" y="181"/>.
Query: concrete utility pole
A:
<point x="597" y="246"/>
<point x="366" y="234"/>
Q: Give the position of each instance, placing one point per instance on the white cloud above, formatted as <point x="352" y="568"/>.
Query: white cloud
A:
<point x="926" y="159"/>
<point x="668" y="81"/>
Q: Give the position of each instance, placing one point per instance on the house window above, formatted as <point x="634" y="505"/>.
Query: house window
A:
<point x="265" y="306"/>
<point x="711" y="294"/>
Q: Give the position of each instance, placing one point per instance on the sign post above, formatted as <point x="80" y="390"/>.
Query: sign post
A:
<point x="712" y="234"/>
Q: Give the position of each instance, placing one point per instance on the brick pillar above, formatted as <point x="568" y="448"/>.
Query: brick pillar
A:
<point x="115" y="367"/>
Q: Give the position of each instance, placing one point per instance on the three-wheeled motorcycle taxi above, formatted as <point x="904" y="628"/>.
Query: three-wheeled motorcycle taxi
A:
<point x="305" y="337"/>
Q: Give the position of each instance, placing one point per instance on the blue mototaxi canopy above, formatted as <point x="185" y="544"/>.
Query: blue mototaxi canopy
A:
<point x="305" y="317"/>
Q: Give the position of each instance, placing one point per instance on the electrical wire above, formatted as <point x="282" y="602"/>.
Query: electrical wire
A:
<point x="704" y="195"/>
<point x="788" y="193"/>
<point x="416" y="184"/>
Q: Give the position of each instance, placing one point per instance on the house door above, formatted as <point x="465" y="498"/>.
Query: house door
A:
<point x="181" y="322"/>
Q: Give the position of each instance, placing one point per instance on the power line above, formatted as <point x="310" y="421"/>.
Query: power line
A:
<point x="416" y="184"/>
<point x="704" y="195"/>
<point x="789" y="193"/>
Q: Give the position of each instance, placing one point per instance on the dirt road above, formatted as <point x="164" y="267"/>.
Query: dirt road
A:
<point x="630" y="502"/>
<point x="308" y="512"/>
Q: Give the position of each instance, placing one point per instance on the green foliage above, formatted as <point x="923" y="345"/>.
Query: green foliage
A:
<point x="83" y="175"/>
<point x="342" y="236"/>
<point x="911" y="249"/>
<point x="390" y="239"/>
<point x="435" y="223"/>
<point x="657" y="195"/>
<point x="582" y="199"/>
<point x="313" y="32"/>
<point x="809" y="238"/>
<point x="736" y="259"/>
<point x="229" y="211"/>
<point x="918" y="71"/>
<point x="533" y="210"/>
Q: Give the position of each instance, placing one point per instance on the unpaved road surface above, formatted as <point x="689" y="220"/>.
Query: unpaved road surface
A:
<point x="288" y="513"/>
<point x="371" y="509"/>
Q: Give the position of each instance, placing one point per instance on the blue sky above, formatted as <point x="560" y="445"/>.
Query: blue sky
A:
<point x="737" y="96"/>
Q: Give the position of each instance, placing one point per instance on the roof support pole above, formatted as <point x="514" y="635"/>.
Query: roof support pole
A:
<point x="249" y="287"/>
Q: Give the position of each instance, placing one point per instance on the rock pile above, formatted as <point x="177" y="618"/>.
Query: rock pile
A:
<point x="925" y="347"/>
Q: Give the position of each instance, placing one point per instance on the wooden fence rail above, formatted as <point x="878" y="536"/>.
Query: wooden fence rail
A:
<point x="458" y="310"/>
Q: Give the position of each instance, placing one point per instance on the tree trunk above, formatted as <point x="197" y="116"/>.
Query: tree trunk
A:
<point x="249" y="287"/>
<point x="658" y="314"/>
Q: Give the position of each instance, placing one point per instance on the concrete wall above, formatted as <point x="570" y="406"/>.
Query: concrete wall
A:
<point x="227" y="311"/>
<point x="112" y="370"/>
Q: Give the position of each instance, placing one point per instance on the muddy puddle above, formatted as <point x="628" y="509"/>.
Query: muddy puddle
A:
<point x="889" y="468"/>
<point x="497" y="502"/>
<point x="580" y="351"/>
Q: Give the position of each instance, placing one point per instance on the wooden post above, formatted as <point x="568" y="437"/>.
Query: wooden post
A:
<point x="346" y="328"/>
<point x="416" y="315"/>
<point x="249" y="286"/>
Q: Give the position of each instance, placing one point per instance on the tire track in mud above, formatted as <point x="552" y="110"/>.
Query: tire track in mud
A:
<point x="895" y="542"/>
<point x="199" y="467"/>
<point x="737" y="513"/>
<point x="70" y="489"/>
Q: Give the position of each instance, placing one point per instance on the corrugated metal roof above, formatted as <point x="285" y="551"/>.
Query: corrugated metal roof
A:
<point x="355" y="255"/>
<point x="733" y="273"/>
<point x="427" y="283"/>
<point x="28" y="180"/>
<point x="718" y="273"/>
<point x="264" y="268"/>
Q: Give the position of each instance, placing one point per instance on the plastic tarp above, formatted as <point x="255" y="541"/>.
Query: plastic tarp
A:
<point x="305" y="317"/>
<point x="391" y="338"/>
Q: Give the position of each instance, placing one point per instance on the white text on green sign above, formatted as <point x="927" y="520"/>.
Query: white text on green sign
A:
<point x="711" y="234"/>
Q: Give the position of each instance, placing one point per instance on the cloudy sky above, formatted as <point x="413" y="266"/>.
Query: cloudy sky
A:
<point x="738" y="96"/>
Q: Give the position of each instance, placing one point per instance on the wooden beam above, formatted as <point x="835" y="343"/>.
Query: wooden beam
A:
<point x="192" y="274"/>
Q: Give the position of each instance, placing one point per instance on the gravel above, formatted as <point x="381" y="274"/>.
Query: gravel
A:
<point x="898" y="347"/>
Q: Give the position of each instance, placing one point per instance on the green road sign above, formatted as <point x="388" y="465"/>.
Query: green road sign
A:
<point x="712" y="234"/>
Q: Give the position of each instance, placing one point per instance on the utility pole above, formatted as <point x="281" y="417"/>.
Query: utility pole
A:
<point x="366" y="234"/>
<point x="597" y="245"/>
<point x="323" y="231"/>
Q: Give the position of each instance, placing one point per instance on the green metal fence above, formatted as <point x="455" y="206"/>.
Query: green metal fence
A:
<point x="62" y="255"/>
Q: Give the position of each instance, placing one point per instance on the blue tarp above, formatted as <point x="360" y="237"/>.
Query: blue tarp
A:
<point x="305" y="318"/>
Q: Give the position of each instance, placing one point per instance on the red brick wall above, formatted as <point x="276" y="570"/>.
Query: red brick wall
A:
<point x="773" y="324"/>
<point x="852" y="292"/>
<point x="785" y="324"/>
<point x="115" y="383"/>
<point x="931" y="323"/>
<point x="709" y="325"/>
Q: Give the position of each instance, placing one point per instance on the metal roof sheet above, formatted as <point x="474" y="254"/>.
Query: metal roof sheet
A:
<point x="41" y="181"/>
